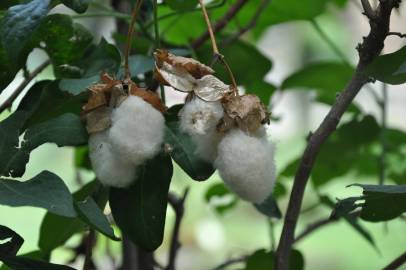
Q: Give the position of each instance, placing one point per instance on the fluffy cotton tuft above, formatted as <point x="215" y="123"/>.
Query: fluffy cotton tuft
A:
<point x="246" y="165"/>
<point x="137" y="130"/>
<point x="199" y="119"/>
<point x="110" y="167"/>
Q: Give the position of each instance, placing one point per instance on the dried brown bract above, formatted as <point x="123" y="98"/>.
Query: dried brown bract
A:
<point x="188" y="75"/>
<point x="247" y="112"/>
<point x="110" y="93"/>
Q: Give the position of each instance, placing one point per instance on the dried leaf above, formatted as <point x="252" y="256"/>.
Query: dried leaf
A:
<point x="210" y="88"/>
<point x="188" y="65"/>
<point x="147" y="96"/>
<point x="96" y="99"/>
<point x="177" y="78"/>
<point x="248" y="112"/>
<point x="98" y="119"/>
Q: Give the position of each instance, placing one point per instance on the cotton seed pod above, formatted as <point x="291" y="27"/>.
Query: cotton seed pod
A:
<point x="199" y="119"/>
<point x="137" y="130"/>
<point x="110" y="167"/>
<point x="246" y="165"/>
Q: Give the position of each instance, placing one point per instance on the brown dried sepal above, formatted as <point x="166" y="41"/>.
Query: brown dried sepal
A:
<point x="247" y="112"/>
<point x="189" y="65"/>
<point x="148" y="96"/>
<point x="98" y="120"/>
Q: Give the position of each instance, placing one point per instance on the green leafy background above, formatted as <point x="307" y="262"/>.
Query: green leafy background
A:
<point x="284" y="59"/>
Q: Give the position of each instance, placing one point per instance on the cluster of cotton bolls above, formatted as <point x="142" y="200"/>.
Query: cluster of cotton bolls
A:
<point x="136" y="134"/>
<point x="244" y="161"/>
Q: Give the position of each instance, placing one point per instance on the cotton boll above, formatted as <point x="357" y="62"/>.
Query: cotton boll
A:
<point x="246" y="165"/>
<point x="199" y="117"/>
<point x="137" y="130"/>
<point x="110" y="168"/>
<point x="206" y="145"/>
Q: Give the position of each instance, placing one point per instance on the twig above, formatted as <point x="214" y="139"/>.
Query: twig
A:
<point x="368" y="50"/>
<point x="9" y="101"/>
<point x="158" y="43"/>
<point x="134" y="14"/>
<point x="395" y="264"/>
<point x="178" y="205"/>
<point x="397" y="34"/>
<point x="314" y="226"/>
<point x="252" y="23"/>
<point x="230" y="262"/>
<point x="90" y="241"/>
<point x="220" y="24"/>
<point x="217" y="55"/>
<point x="368" y="11"/>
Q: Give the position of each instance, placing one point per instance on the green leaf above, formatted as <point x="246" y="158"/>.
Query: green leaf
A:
<point x="65" y="130"/>
<point x="382" y="202"/>
<point x="265" y="260"/>
<point x="14" y="243"/>
<point x="183" y="148"/>
<point x="18" y="26"/>
<point x="104" y="57"/>
<point x="269" y="208"/>
<point x="80" y="6"/>
<point x="248" y="65"/>
<point x="7" y="72"/>
<point x="140" y="210"/>
<point x="327" y="78"/>
<point x="352" y="140"/>
<point x="220" y="198"/>
<point x="64" y="41"/>
<point x="138" y="64"/>
<point x="342" y="212"/>
<point x="182" y="5"/>
<point x="9" y="132"/>
<point x="389" y="68"/>
<point x="38" y="98"/>
<point x="23" y="263"/>
<point x="90" y="212"/>
<point x="49" y="238"/>
<point x="46" y="190"/>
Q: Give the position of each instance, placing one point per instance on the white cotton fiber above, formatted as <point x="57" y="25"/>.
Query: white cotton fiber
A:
<point x="246" y="165"/>
<point x="199" y="119"/>
<point x="110" y="168"/>
<point x="137" y="130"/>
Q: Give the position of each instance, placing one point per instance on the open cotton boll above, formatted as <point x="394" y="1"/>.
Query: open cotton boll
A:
<point x="246" y="165"/>
<point x="110" y="168"/>
<point x="137" y="130"/>
<point x="199" y="117"/>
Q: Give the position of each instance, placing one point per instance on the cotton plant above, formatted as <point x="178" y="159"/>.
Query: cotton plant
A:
<point x="228" y="129"/>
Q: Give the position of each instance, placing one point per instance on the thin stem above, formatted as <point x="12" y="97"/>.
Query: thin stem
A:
<point x="313" y="227"/>
<point x="216" y="52"/>
<point x="134" y="14"/>
<point x="89" y="250"/>
<point x="209" y="29"/>
<point x="178" y="205"/>
<point x="398" y="262"/>
<point x="272" y="234"/>
<point x="158" y="43"/>
<point x="9" y="101"/>
<point x="329" y="42"/>
<point x="397" y="34"/>
<point x="382" y="158"/>
<point x="231" y="262"/>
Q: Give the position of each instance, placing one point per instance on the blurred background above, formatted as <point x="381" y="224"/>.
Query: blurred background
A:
<point x="209" y="237"/>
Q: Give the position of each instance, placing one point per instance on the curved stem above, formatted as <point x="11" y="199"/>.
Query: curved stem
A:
<point x="216" y="53"/>
<point x="158" y="43"/>
<point x="9" y="101"/>
<point x="134" y="14"/>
